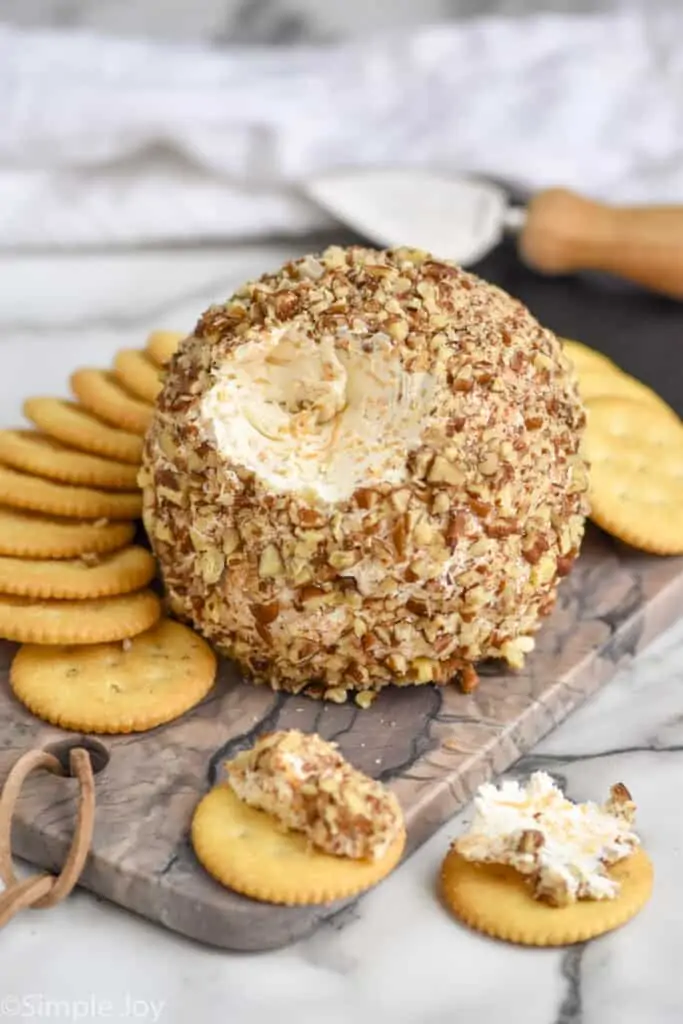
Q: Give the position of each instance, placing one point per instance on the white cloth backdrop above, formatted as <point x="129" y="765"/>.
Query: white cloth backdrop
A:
<point x="105" y="141"/>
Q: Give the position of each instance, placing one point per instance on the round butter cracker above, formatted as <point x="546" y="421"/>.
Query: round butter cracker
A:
<point x="97" y="576"/>
<point x="138" y="374"/>
<point x="586" y="359"/>
<point x="30" y="535"/>
<point x="99" y="393"/>
<point x="162" y="345"/>
<point x="113" y="687"/>
<point x="19" y="490"/>
<point x="635" y="453"/>
<point x="496" y="900"/>
<point x="31" y="452"/>
<point x="73" y="425"/>
<point x="96" y="621"/>
<point x="248" y="851"/>
<point x="594" y="385"/>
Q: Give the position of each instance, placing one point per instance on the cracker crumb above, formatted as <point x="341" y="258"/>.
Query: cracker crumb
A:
<point x="90" y="558"/>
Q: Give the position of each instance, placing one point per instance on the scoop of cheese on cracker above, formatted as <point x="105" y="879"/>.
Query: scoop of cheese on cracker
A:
<point x="565" y="848"/>
<point x="306" y="784"/>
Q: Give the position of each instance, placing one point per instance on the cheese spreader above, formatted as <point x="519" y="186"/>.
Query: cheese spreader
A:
<point x="463" y="218"/>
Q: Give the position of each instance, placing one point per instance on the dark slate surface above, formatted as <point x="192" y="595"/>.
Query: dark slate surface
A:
<point x="642" y="332"/>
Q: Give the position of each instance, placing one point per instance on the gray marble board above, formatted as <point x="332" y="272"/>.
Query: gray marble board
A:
<point x="433" y="746"/>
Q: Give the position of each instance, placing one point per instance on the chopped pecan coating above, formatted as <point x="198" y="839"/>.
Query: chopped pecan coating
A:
<point x="331" y="537"/>
<point x="306" y="784"/>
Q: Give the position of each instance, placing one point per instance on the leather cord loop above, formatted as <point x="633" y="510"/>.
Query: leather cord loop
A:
<point x="45" y="890"/>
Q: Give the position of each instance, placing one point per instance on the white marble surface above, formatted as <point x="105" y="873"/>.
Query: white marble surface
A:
<point x="397" y="956"/>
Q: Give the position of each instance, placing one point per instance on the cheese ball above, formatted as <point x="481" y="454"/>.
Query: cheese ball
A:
<point x="365" y="469"/>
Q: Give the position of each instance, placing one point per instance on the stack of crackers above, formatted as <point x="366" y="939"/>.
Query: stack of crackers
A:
<point x="634" y="444"/>
<point x="96" y="655"/>
<point x="69" y="498"/>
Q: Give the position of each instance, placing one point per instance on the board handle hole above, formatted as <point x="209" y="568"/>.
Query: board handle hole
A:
<point x="97" y="752"/>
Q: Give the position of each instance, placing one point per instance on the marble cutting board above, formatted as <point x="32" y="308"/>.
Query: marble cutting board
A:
<point x="432" y="746"/>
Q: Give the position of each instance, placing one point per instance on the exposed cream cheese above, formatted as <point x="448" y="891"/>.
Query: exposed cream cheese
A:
<point x="565" y="846"/>
<point x="320" y="416"/>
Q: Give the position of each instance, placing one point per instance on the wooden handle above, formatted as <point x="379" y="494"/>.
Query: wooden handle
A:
<point x="565" y="232"/>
